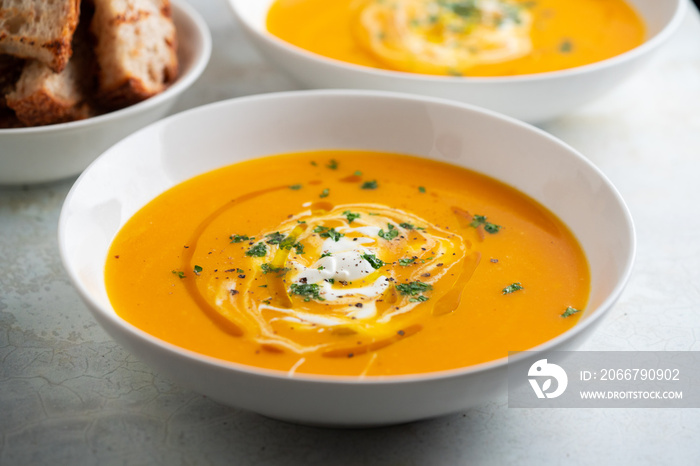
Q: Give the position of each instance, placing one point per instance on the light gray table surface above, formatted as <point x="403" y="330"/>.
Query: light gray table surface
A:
<point x="70" y="395"/>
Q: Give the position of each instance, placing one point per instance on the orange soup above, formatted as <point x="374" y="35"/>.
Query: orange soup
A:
<point x="460" y="37"/>
<point x="348" y="263"/>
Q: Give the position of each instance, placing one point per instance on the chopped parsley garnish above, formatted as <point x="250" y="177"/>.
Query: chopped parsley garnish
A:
<point x="464" y="8"/>
<point x="179" y="273"/>
<point x="308" y="290"/>
<point x="324" y="193"/>
<point x="565" y="46"/>
<point x="357" y="173"/>
<point x="488" y="227"/>
<point x="274" y="238"/>
<point x="326" y="254"/>
<point x="512" y="288"/>
<point x="407" y="226"/>
<point x="320" y="267"/>
<point x="351" y="216"/>
<point x="289" y="243"/>
<point x="239" y="238"/>
<point x="286" y="243"/>
<point x="373" y="260"/>
<point x="240" y="270"/>
<point x="333" y="164"/>
<point x="414" y="289"/>
<point x="313" y="163"/>
<point x="369" y="185"/>
<point x="421" y="189"/>
<point x="258" y="250"/>
<point x="418" y="299"/>
<point x="197" y="269"/>
<point x="295" y="187"/>
<point x="280" y="271"/>
<point x="570" y="311"/>
<point x="390" y="234"/>
<point x="325" y="232"/>
<point x="407" y="262"/>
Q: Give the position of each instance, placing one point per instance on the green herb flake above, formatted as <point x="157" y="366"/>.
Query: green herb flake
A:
<point x="295" y="187"/>
<point x="390" y="234"/>
<point x="512" y="288"/>
<point x="414" y="289"/>
<point x="333" y="164"/>
<point x="489" y="227"/>
<point x="566" y="46"/>
<point x="324" y="193"/>
<point x="407" y="226"/>
<point x="325" y="232"/>
<point x="320" y="267"/>
<point x="407" y="262"/>
<point x="298" y="248"/>
<point x="268" y="268"/>
<point x="570" y="311"/>
<point x="240" y="271"/>
<point x="258" y="250"/>
<point x="326" y="254"/>
<point x="478" y="220"/>
<point x="418" y="299"/>
<point x="308" y="291"/>
<point x="351" y="216"/>
<point x="421" y="189"/>
<point x="239" y="238"/>
<point x="314" y="163"/>
<point x="357" y="173"/>
<point x="373" y="260"/>
<point x="197" y="269"/>
<point x="179" y="273"/>
<point x="369" y="185"/>
<point x="274" y="238"/>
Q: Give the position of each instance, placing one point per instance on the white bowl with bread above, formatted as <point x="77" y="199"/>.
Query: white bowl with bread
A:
<point x="112" y="72"/>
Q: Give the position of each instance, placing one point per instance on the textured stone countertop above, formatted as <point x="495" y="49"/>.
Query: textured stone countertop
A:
<point x="70" y="395"/>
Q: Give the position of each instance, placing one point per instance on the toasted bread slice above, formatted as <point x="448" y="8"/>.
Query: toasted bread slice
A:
<point x="43" y="97"/>
<point x="39" y="29"/>
<point x="136" y="50"/>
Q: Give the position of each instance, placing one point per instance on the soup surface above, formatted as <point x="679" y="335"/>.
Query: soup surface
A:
<point x="347" y="263"/>
<point x="460" y="37"/>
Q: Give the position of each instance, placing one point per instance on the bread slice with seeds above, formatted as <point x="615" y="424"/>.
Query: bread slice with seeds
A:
<point x="39" y="29"/>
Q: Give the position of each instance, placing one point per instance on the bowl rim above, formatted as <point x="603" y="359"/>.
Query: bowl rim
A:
<point x="199" y="63"/>
<point x="645" y="47"/>
<point x="198" y="358"/>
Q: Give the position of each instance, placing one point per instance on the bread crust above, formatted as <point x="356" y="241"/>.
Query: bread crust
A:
<point x="39" y="30"/>
<point x="136" y="50"/>
<point x="44" y="108"/>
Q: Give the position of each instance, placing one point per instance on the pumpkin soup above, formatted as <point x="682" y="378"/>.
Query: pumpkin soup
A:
<point x="347" y="263"/>
<point x="460" y="37"/>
